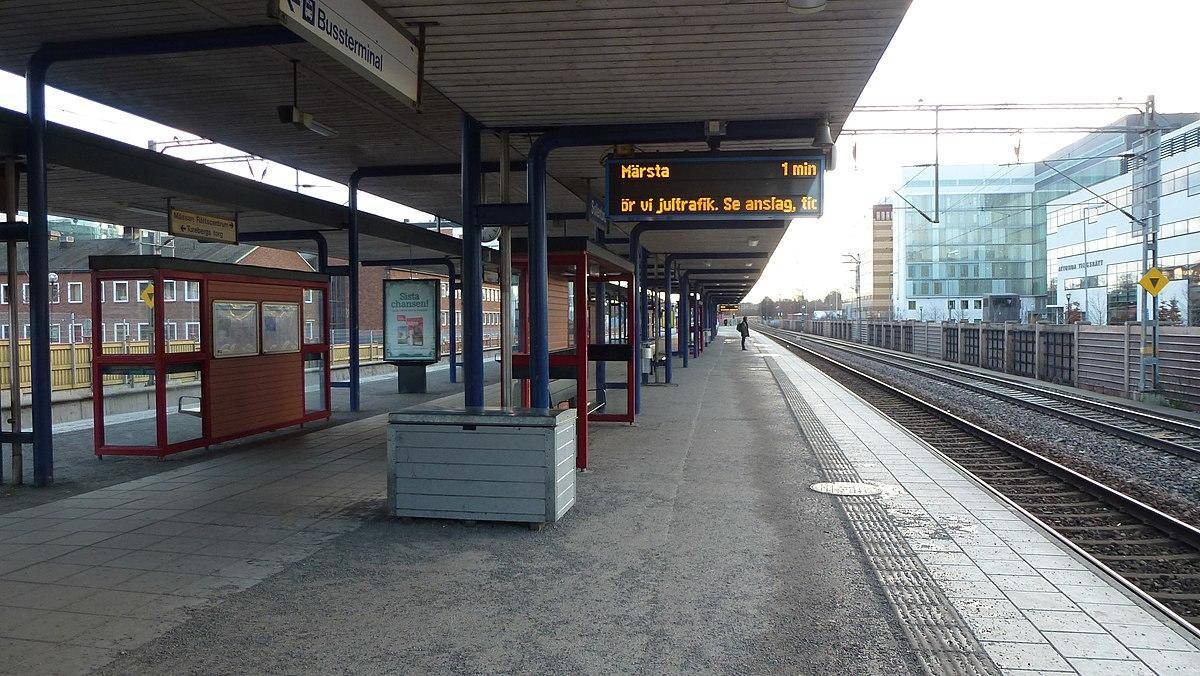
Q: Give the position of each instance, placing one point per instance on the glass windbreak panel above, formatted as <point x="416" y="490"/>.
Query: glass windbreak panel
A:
<point x="184" y="421"/>
<point x="280" y="328"/>
<point x="234" y="328"/>
<point x="127" y="316"/>
<point x="129" y="395"/>
<point x="314" y="383"/>
<point x="180" y="300"/>
<point x="314" y="313"/>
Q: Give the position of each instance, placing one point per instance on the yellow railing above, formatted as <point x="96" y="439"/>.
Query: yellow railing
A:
<point x="339" y="355"/>
<point x="71" y="365"/>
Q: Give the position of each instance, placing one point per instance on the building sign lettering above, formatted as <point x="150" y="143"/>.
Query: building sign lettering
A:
<point x="201" y="226"/>
<point x="359" y="36"/>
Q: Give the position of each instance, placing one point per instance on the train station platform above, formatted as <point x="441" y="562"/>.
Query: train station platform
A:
<point x="696" y="544"/>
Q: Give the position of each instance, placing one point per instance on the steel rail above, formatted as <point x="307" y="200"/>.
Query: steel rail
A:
<point x="1150" y="516"/>
<point x="1184" y="440"/>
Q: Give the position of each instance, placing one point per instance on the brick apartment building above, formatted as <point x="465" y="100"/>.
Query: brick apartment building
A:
<point x="126" y="317"/>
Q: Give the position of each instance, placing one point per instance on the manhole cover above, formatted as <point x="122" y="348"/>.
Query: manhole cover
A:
<point x="846" y="488"/>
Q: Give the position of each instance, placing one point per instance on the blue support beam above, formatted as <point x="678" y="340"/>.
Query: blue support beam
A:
<point x="472" y="261"/>
<point x="352" y="269"/>
<point x="36" y="74"/>
<point x="316" y="236"/>
<point x="685" y="314"/>
<point x="601" y="330"/>
<point x="668" y="266"/>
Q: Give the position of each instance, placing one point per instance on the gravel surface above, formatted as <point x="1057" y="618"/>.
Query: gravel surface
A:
<point x="1168" y="482"/>
<point x="695" y="547"/>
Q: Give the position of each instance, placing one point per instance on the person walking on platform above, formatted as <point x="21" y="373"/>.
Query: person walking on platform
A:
<point x="744" y="329"/>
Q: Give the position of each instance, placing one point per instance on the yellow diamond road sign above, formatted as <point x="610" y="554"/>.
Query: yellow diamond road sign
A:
<point x="1153" y="281"/>
<point x="148" y="296"/>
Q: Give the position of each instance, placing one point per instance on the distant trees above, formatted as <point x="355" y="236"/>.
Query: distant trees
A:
<point x="799" y="304"/>
<point x="1170" y="314"/>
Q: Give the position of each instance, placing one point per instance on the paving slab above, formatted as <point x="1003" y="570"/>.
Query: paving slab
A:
<point x="1057" y="612"/>
<point x="695" y="546"/>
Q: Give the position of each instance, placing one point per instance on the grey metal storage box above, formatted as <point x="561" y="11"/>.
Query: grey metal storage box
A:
<point x="482" y="465"/>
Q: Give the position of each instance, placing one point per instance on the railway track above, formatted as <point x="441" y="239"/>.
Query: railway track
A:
<point x="1154" y="554"/>
<point x="1174" y="435"/>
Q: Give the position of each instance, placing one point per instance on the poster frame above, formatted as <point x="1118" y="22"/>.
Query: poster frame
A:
<point x="435" y="285"/>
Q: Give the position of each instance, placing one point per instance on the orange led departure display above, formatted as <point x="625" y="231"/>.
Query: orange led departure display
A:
<point x="715" y="186"/>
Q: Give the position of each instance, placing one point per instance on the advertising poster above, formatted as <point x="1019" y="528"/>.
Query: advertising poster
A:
<point x="411" y="314"/>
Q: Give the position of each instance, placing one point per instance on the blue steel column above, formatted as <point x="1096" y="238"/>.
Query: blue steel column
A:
<point x="39" y="270"/>
<point x="681" y="321"/>
<point x="601" y="334"/>
<point x="539" y="292"/>
<point x="352" y="291"/>
<point x="472" y="261"/>
<point x="452" y="320"/>
<point x="668" y="264"/>
<point x="685" y="309"/>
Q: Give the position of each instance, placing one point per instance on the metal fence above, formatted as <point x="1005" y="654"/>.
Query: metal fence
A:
<point x="1103" y="359"/>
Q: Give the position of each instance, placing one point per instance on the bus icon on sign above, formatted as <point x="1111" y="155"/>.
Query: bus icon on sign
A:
<point x="310" y="11"/>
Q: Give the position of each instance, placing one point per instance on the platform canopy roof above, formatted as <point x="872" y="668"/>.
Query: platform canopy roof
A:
<point x="525" y="64"/>
<point x="97" y="178"/>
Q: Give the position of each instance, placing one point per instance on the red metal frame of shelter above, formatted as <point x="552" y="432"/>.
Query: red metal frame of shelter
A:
<point x="157" y="269"/>
<point x="577" y="359"/>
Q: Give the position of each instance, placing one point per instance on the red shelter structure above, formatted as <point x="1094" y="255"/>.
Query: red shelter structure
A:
<point x="591" y="323"/>
<point x="259" y="363"/>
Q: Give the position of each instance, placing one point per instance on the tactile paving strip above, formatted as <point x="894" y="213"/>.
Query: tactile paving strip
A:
<point x="940" y="636"/>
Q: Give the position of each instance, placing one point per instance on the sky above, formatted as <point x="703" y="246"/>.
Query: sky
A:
<point x="985" y="51"/>
<point x="82" y="113"/>
<point x="945" y="52"/>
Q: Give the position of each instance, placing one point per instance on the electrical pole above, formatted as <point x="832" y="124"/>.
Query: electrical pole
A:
<point x="1147" y="190"/>
<point x="856" y="259"/>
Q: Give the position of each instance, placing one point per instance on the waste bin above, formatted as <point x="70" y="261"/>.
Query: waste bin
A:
<point x="647" y="356"/>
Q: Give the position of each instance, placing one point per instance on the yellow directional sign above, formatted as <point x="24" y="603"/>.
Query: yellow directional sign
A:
<point x="148" y="296"/>
<point x="1153" y="281"/>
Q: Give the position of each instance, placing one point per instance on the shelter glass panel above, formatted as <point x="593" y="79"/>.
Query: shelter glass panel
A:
<point x="314" y="315"/>
<point x="314" y="383"/>
<point x="180" y="315"/>
<point x="123" y="319"/>
<point x="184" y="421"/>
<point x="129" y="383"/>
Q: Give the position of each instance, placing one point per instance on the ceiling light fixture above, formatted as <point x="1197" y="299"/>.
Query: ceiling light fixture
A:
<point x="293" y="115"/>
<point x="805" y="6"/>
<point x="753" y="241"/>
<point x="822" y="137"/>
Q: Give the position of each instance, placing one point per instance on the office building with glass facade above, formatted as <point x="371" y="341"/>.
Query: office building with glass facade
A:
<point x="979" y="239"/>
<point x="990" y="234"/>
<point x="1094" y="249"/>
